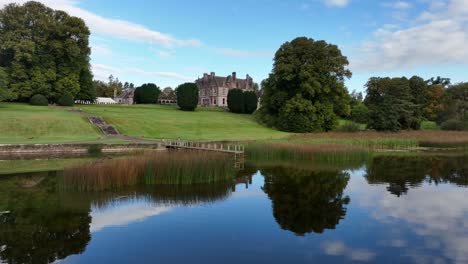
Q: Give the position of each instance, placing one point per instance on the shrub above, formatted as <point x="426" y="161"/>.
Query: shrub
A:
<point x="187" y="96"/>
<point x="148" y="93"/>
<point x="301" y="116"/>
<point x="235" y="100"/>
<point x="349" y="127"/>
<point x="250" y="101"/>
<point x="455" y="125"/>
<point x="360" y="113"/>
<point x="39" y="99"/>
<point x="66" y="100"/>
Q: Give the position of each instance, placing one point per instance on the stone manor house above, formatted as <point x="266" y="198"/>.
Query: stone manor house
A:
<point x="214" y="89"/>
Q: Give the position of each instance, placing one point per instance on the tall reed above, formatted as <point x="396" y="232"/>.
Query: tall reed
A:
<point x="172" y="167"/>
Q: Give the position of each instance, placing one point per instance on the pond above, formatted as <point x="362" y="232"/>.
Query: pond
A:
<point x="326" y="208"/>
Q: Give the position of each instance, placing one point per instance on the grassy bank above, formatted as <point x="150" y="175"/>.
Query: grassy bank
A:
<point x="156" y="121"/>
<point x="381" y="140"/>
<point x="34" y="165"/>
<point x="22" y="123"/>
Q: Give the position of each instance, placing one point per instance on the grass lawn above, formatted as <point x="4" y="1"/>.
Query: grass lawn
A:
<point x="26" y="166"/>
<point x="22" y="123"/>
<point x="167" y="122"/>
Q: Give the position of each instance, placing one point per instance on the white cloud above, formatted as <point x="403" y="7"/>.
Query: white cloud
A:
<point x="115" y="27"/>
<point x="240" y="53"/>
<point x="437" y="214"/>
<point x="169" y="75"/>
<point x="165" y="54"/>
<point x="122" y="213"/>
<point x="338" y="248"/>
<point x="336" y="3"/>
<point x="100" y="50"/>
<point x="102" y="72"/>
<point x="436" y="38"/>
<point x="398" y="5"/>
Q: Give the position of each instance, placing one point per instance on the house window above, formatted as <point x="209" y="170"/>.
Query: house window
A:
<point x="224" y="101"/>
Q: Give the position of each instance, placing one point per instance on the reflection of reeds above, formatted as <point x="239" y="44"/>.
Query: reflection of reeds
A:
<point x="323" y="156"/>
<point x="172" y="167"/>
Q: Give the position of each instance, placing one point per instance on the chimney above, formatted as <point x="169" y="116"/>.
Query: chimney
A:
<point x="212" y="74"/>
<point x="234" y="76"/>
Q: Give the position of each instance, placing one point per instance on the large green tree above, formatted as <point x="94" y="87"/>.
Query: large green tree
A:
<point x="306" y="85"/>
<point x="43" y="50"/>
<point x="392" y="105"/>
<point x="455" y="103"/>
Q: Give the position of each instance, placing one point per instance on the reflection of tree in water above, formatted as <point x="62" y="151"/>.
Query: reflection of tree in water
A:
<point x="305" y="201"/>
<point x="405" y="172"/>
<point x="39" y="227"/>
<point x="48" y="223"/>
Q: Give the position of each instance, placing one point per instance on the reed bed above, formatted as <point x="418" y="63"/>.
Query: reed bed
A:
<point x="380" y="140"/>
<point x="172" y="167"/>
<point x="310" y="156"/>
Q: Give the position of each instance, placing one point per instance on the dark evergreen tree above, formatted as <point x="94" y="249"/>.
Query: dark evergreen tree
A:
<point x="391" y="105"/>
<point x="250" y="101"/>
<point x="87" y="88"/>
<point x="3" y="85"/>
<point x="236" y="101"/>
<point x="147" y="94"/>
<point x="187" y="96"/>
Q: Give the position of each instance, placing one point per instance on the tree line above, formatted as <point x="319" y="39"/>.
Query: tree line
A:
<point x="43" y="51"/>
<point x="393" y="104"/>
<point x="305" y="92"/>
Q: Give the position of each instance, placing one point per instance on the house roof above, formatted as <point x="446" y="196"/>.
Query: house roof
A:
<point x="105" y="100"/>
<point x="209" y="80"/>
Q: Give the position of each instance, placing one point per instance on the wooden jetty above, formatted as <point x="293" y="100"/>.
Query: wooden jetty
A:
<point x="218" y="147"/>
<point x="235" y="149"/>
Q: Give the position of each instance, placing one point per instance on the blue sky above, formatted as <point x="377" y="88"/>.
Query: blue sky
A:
<point x="171" y="42"/>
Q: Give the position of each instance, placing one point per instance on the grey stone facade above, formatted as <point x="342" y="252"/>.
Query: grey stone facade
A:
<point x="126" y="97"/>
<point x="213" y="90"/>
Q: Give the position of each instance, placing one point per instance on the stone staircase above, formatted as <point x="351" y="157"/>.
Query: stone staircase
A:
<point x="107" y="129"/>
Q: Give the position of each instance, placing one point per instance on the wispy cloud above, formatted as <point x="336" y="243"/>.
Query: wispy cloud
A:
<point x="100" y="50"/>
<point x="241" y="53"/>
<point x="336" y="3"/>
<point x="102" y="72"/>
<point x="115" y="27"/>
<point x="437" y="37"/>
<point x="169" y="75"/>
<point x="398" y="5"/>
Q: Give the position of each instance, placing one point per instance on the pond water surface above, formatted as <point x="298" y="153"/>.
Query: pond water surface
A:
<point x="383" y="208"/>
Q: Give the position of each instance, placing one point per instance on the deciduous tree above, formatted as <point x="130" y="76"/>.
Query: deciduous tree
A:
<point x="306" y="85"/>
<point x="43" y="50"/>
